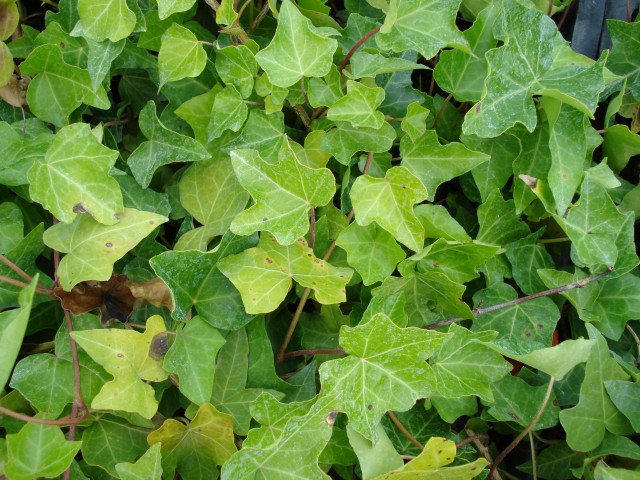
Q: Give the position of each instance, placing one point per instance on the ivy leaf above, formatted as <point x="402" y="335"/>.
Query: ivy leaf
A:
<point x="372" y="63"/>
<point x="13" y="325"/>
<point x="100" y="57"/>
<point x="389" y="202"/>
<point x="435" y="164"/>
<point x="374" y="457"/>
<point x="527" y="256"/>
<point x="421" y="25"/>
<point x="358" y="106"/>
<point x="164" y="146"/>
<point x="181" y="55"/>
<point x="498" y="223"/>
<point x="345" y="140"/>
<point x="261" y="132"/>
<point x="237" y="66"/>
<point x="372" y="251"/>
<point x="284" y="193"/>
<point x="167" y="8"/>
<point x="195" y="450"/>
<point x="463" y="73"/>
<point x="298" y="49"/>
<point x="54" y="452"/>
<point x="263" y="274"/>
<point x="228" y="112"/>
<point x="624" y="396"/>
<point x="524" y="66"/>
<point x="230" y="394"/>
<point x="197" y="113"/>
<point x="394" y="357"/>
<point x="194" y="280"/>
<point x="586" y="423"/>
<point x="74" y="177"/>
<point x="125" y="355"/>
<point x="522" y="328"/>
<point x="20" y="153"/>
<point x="106" y="19"/>
<point x="414" y="122"/>
<point x="196" y="343"/>
<point x="465" y="365"/>
<point x="212" y="195"/>
<point x="288" y="443"/>
<point x="58" y="88"/>
<point x="432" y="463"/>
<point x="624" y="53"/>
<point x="6" y="61"/>
<point x="104" y="244"/>
<point x="147" y="467"/>
<point x="438" y="223"/>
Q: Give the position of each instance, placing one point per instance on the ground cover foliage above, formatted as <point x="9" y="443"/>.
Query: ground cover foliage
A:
<point x="381" y="239"/>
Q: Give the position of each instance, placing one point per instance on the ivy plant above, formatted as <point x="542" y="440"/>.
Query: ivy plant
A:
<point x="361" y="239"/>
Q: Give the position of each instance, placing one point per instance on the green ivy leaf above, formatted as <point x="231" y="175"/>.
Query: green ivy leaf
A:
<point x="194" y="280"/>
<point x="298" y="49"/>
<point x="237" y="66"/>
<point x="524" y="66"/>
<point x="527" y="256"/>
<point x="261" y="132"/>
<point x="74" y="177"/>
<point x="125" y="355"/>
<point x="6" y="64"/>
<point x="181" y="55"/>
<point x="586" y="422"/>
<point x="421" y="25"/>
<point x="58" y="88"/>
<point x="147" y="467"/>
<point x="414" y="122"/>
<point x="196" y="343"/>
<point x="435" y="164"/>
<point x="465" y="365"/>
<point x="372" y="63"/>
<point x="372" y="251"/>
<point x="438" y="223"/>
<point x="624" y="396"/>
<point x="20" y="153"/>
<point x="386" y="200"/>
<point x="345" y="140"/>
<point x="106" y="19"/>
<point x="374" y="457"/>
<point x="169" y="7"/>
<point x="164" y="146"/>
<point x="432" y="463"/>
<point x="284" y="193"/>
<point x="229" y="112"/>
<point x="358" y="106"/>
<point x="197" y="113"/>
<point x="38" y="451"/>
<point x="195" y="450"/>
<point x="394" y="357"/>
<point x="263" y="274"/>
<point x="624" y="52"/>
<point x="498" y="223"/>
<point x="104" y="244"/>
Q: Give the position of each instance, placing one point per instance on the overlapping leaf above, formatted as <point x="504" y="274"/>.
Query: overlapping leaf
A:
<point x="106" y="19"/>
<point x="181" y="55"/>
<point x="358" y="106"/>
<point x="147" y="467"/>
<point x="263" y="274"/>
<point x="345" y="140"/>
<point x="284" y="193"/>
<point x="624" y="53"/>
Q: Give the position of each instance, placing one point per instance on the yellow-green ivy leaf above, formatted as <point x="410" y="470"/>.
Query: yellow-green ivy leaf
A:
<point x="106" y="19"/>
<point x="181" y="55"/>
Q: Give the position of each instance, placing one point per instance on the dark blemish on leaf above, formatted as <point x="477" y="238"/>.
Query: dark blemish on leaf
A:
<point x="439" y="452"/>
<point x="108" y="244"/>
<point x="540" y="326"/>
<point x="316" y="260"/>
<point x="120" y="355"/>
<point x="159" y="346"/>
<point x="369" y="407"/>
<point x="478" y="109"/>
<point x="527" y="333"/>
<point x="309" y="254"/>
<point x="79" y="208"/>
<point x="62" y="45"/>
<point x="404" y="186"/>
<point x="152" y="222"/>
<point x="313" y="283"/>
<point x="448" y="459"/>
<point x="264" y="219"/>
<point x="436" y="264"/>
<point x="118" y="215"/>
<point x="513" y="415"/>
<point x="268" y="260"/>
<point x="331" y="417"/>
<point x="555" y="402"/>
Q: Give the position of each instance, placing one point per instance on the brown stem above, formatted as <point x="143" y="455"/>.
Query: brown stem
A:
<point x="112" y="123"/>
<point x="303" y="90"/>
<point x="635" y="337"/>
<point x="312" y="228"/>
<point x="565" y="14"/>
<point x="563" y="288"/>
<point x="357" y="45"/>
<point x="628" y="10"/>
<point x="318" y="112"/>
<point x="62" y="422"/>
<point x="484" y="451"/>
<point x="317" y="351"/>
<point x="528" y="428"/>
<point x="302" y="113"/>
<point x="16" y="268"/>
<point x="471" y="439"/>
<point x="441" y="110"/>
<point x="404" y="431"/>
<point x="261" y="14"/>
<point x="18" y="283"/>
<point x="551" y="2"/>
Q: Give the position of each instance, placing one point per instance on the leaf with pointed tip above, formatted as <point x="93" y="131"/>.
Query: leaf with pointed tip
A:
<point x="229" y="393"/>
<point x="38" y="451"/>
<point x="386" y="370"/>
<point x="527" y="256"/>
<point x="374" y="457"/>
<point x="298" y="49"/>
<point x="372" y="251"/>
<point x="261" y="132"/>
<point x="284" y="193"/>
<point x="169" y="7"/>
<point x="237" y="66"/>
<point x="102" y="244"/>
<point x="626" y="52"/>
<point x="371" y="63"/>
<point x="106" y="19"/>
<point x="228" y="112"/>
<point x="197" y="113"/>
<point x="19" y="153"/>
<point x="164" y="146"/>
<point x="586" y="423"/>
<point x="498" y="223"/>
<point x="463" y="73"/>
<point x="389" y="202"/>
<point x="432" y="463"/>
<point x="625" y="396"/>
<point x="125" y="355"/>
<point x="438" y="223"/>
<point x="325" y="91"/>
<point x="181" y="55"/>
<point x="288" y="443"/>
<point x="358" y="106"/>
<point x="197" y="449"/>
<point x="466" y="365"/>
<point x="100" y="57"/>
<point x="58" y="88"/>
<point x="345" y="140"/>
<point x="414" y="122"/>
<point x="74" y="177"/>
<point x="421" y="25"/>
<point x="263" y="274"/>
<point x="435" y="164"/>
<point x="225" y="14"/>
<point x="147" y="467"/>
<point x="524" y="66"/>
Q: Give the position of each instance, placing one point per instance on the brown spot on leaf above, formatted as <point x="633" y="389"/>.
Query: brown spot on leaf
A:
<point x="152" y="222"/>
<point x="331" y="417"/>
<point x="369" y="407"/>
<point x="159" y="346"/>
<point x="268" y="260"/>
<point x="108" y="244"/>
<point x="527" y="333"/>
<point x="120" y="355"/>
<point x="264" y="219"/>
<point x="79" y="208"/>
<point x="62" y="45"/>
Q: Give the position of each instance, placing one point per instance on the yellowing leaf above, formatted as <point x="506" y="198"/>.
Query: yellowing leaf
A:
<point x="432" y="463"/>
<point x="125" y="355"/>
<point x="74" y="177"/>
<point x="93" y="248"/>
<point x="263" y="274"/>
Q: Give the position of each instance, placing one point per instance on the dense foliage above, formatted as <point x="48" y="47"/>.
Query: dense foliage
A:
<point x="377" y="239"/>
